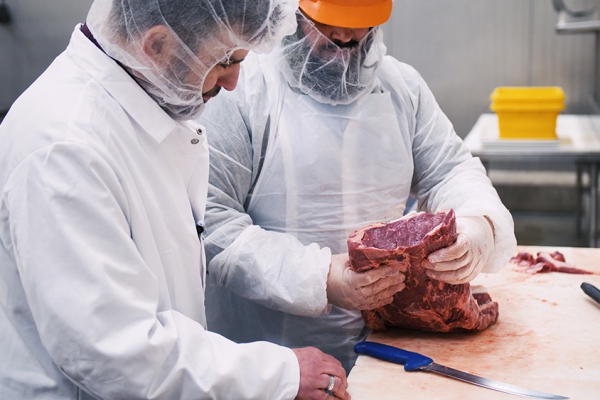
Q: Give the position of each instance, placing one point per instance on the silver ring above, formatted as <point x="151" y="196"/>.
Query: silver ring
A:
<point x="331" y="383"/>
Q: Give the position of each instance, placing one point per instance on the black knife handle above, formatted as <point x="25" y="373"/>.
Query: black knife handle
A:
<point x="591" y="291"/>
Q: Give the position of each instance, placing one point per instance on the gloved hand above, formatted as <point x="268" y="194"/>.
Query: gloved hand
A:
<point x="462" y="261"/>
<point x="361" y="290"/>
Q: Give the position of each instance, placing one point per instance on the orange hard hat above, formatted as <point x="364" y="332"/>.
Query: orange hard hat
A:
<point x="348" y="13"/>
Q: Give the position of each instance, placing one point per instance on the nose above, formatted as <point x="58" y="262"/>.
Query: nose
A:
<point x="342" y="34"/>
<point x="229" y="79"/>
<point x="345" y="35"/>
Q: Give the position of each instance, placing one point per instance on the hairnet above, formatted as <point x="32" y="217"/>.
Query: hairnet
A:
<point x="206" y="32"/>
<point x="330" y="74"/>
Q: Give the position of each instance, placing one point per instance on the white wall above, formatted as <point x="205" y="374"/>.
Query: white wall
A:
<point x="463" y="49"/>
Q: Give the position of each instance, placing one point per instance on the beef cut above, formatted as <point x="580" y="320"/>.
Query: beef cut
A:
<point x="425" y="304"/>
<point x="545" y="262"/>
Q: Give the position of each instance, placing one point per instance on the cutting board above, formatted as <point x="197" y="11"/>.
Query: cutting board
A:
<point x="547" y="338"/>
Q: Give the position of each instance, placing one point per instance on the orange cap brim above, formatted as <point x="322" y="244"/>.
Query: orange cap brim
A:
<point x="347" y="15"/>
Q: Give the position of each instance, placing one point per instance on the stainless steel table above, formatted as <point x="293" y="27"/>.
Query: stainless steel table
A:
<point x="578" y="144"/>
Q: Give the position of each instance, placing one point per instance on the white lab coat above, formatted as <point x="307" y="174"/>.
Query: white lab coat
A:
<point x="102" y="272"/>
<point x="327" y="170"/>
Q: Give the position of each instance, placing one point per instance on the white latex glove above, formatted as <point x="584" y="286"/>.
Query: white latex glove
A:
<point x="361" y="290"/>
<point x="462" y="261"/>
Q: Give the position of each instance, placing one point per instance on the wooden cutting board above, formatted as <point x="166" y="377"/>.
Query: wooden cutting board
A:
<point x="547" y="338"/>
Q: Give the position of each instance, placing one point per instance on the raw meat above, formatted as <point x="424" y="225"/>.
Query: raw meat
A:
<point x="425" y="304"/>
<point x="546" y="262"/>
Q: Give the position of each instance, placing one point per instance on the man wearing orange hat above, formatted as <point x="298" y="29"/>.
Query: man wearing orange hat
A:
<point x="324" y="135"/>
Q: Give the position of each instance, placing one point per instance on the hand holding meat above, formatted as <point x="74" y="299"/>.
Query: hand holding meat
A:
<point x="462" y="261"/>
<point x="316" y="368"/>
<point x="361" y="290"/>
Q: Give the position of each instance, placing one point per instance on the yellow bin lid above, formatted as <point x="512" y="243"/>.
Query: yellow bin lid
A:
<point x="528" y="98"/>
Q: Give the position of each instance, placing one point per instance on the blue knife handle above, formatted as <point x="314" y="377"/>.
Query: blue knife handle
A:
<point x="411" y="361"/>
<point x="591" y="291"/>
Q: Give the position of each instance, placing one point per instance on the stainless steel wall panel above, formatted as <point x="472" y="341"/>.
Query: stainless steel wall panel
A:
<point x="563" y="59"/>
<point x="465" y="48"/>
<point x="39" y="31"/>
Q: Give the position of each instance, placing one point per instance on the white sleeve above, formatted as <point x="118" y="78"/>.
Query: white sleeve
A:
<point x="270" y="268"/>
<point x="469" y="192"/>
<point x="446" y="175"/>
<point x="96" y="304"/>
<point x="253" y="267"/>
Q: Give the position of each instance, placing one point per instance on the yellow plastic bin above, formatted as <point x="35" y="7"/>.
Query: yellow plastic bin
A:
<point x="527" y="113"/>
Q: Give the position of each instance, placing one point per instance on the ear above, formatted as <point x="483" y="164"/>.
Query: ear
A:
<point x="158" y="43"/>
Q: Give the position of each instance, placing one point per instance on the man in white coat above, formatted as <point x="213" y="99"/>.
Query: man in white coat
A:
<point x="103" y="188"/>
<point x="324" y="135"/>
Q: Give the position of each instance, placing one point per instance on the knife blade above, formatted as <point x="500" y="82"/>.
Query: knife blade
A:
<point x="418" y="362"/>
<point x="591" y="291"/>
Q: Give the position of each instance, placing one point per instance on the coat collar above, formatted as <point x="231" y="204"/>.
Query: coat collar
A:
<point x="121" y="86"/>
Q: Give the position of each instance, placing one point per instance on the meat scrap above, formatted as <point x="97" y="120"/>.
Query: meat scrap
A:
<point x="545" y="262"/>
<point x="425" y="304"/>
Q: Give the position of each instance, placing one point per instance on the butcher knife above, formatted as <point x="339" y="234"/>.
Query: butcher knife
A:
<point x="591" y="291"/>
<point x="418" y="362"/>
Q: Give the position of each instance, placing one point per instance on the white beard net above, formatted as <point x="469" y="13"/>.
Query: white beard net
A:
<point x="325" y="71"/>
<point x="207" y="32"/>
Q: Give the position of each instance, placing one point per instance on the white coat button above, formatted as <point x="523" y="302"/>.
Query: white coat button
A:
<point x="199" y="131"/>
<point x="195" y="141"/>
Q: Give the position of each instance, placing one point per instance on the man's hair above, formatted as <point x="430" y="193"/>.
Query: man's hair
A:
<point x="193" y="20"/>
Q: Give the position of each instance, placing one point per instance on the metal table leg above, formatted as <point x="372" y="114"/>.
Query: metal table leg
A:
<point x="578" y="207"/>
<point x="593" y="202"/>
